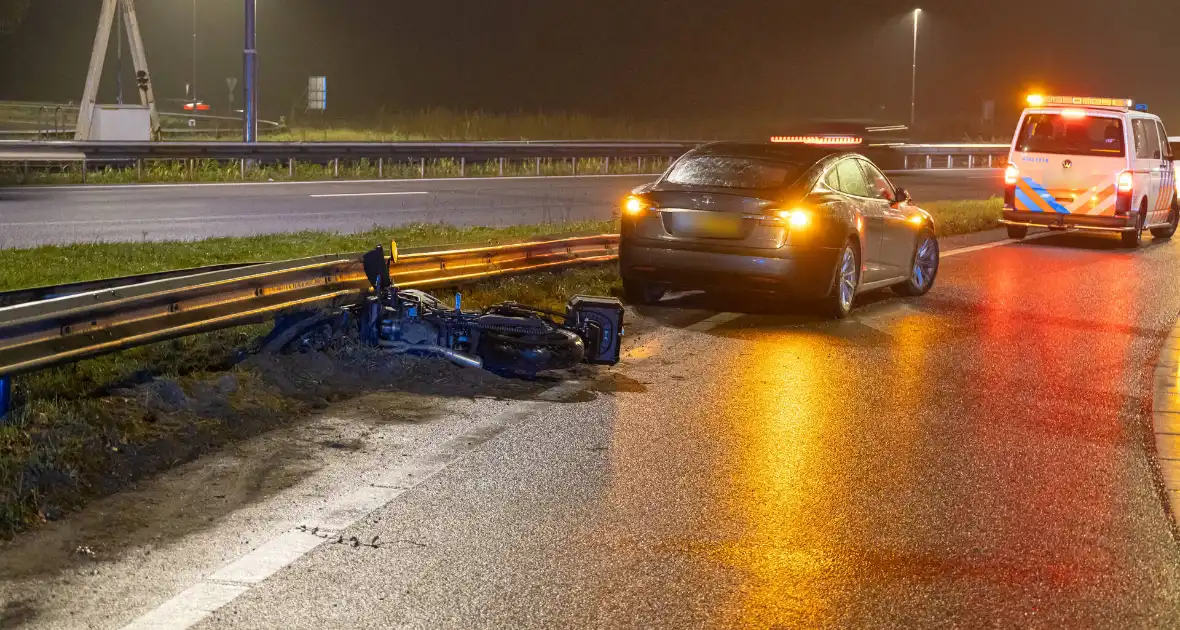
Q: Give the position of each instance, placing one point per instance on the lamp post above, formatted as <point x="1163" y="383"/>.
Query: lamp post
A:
<point x="914" y="76"/>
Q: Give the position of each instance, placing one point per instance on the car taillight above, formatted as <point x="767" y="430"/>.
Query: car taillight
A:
<point x="636" y="206"/>
<point x="1011" y="174"/>
<point x="1126" y="182"/>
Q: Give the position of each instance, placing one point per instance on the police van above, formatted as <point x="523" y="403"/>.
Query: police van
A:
<point x="1096" y="164"/>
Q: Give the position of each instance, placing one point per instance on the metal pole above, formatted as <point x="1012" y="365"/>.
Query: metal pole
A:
<point x="147" y="93"/>
<point x="5" y="396"/>
<point x="250" y="74"/>
<point x="194" y="55"/>
<point x="94" y="74"/>
<point x="914" y="77"/>
<point x="119" y="61"/>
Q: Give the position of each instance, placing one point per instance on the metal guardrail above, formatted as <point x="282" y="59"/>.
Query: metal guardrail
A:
<point x="41" y="334"/>
<point x="24" y="296"/>
<point x="327" y="151"/>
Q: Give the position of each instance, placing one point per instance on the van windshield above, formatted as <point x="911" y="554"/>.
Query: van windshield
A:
<point x="1084" y="135"/>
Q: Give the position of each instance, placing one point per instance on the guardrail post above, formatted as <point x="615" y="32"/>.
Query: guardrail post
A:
<point x="971" y="161"/>
<point x="462" y="167"/>
<point x="606" y="166"/>
<point x="336" y="167"/>
<point x="380" y="168"/>
<point x="950" y="161"/>
<point x="501" y="167"/>
<point x="989" y="160"/>
<point x="25" y="177"/>
<point x="5" y="397"/>
<point x="640" y="164"/>
<point x="242" y="168"/>
<point x="83" y="170"/>
<point x="538" y="167"/>
<point x="190" y="161"/>
<point x="139" y="169"/>
<point x="574" y="166"/>
<point x="291" y="168"/>
<point x="422" y="168"/>
<point x="929" y="161"/>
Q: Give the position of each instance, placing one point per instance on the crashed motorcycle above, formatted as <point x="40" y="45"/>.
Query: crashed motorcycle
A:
<point x="509" y="339"/>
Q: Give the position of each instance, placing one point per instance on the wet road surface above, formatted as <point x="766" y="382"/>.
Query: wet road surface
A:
<point x="40" y="216"/>
<point x="977" y="457"/>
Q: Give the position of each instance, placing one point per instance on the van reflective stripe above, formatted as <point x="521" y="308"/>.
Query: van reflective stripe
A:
<point x="1023" y="202"/>
<point x="1030" y="199"/>
<point x="1046" y="197"/>
<point x="1098" y="202"/>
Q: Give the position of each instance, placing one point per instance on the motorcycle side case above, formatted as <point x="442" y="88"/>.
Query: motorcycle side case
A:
<point x="599" y="320"/>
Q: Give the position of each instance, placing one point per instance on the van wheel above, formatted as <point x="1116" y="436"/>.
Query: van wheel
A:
<point x="1132" y="239"/>
<point x="1017" y="231"/>
<point x="1168" y="230"/>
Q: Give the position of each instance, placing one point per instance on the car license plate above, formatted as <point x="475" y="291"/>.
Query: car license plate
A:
<point x="706" y="224"/>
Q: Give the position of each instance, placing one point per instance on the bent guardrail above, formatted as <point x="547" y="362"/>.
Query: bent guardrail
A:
<point x="42" y="334"/>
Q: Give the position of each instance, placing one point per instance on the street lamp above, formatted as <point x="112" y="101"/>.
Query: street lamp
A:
<point x="914" y="78"/>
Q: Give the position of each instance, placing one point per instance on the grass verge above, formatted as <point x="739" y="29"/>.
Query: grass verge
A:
<point x="963" y="217"/>
<point x="212" y="171"/>
<point x="58" y="264"/>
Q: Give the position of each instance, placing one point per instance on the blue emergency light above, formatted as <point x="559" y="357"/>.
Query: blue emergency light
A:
<point x="1140" y="107"/>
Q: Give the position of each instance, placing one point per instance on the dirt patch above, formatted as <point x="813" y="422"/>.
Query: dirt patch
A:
<point x="16" y="614"/>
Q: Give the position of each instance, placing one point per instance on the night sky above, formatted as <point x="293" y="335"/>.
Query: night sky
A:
<point x="635" y="58"/>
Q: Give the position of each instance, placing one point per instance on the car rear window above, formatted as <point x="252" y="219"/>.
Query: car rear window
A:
<point x="1085" y="135"/>
<point x="721" y="171"/>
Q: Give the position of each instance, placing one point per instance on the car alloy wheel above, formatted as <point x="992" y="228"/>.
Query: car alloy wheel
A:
<point x="848" y="276"/>
<point x="925" y="263"/>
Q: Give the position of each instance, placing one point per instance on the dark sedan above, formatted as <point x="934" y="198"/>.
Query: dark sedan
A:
<point x="814" y="222"/>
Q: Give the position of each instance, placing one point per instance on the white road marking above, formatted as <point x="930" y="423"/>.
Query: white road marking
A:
<point x="1007" y="241"/>
<point x="194" y="604"/>
<point x="710" y="323"/>
<point x="370" y="194"/>
<point x="327" y="182"/>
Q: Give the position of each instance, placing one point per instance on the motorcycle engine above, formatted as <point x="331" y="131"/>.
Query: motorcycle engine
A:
<point x="409" y="332"/>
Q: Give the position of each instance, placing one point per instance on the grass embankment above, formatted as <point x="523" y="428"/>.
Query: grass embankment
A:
<point x="89" y="428"/>
<point x="964" y="217"/>
<point x="210" y="171"/>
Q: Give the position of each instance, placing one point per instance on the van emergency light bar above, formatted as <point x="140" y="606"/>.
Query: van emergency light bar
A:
<point x="1038" y="100"/>
<point x="819" y="140"/>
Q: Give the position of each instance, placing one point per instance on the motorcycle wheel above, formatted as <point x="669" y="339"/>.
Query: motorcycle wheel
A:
<point x="525" y="354"/>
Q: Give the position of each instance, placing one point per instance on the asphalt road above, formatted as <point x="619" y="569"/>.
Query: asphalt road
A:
<point x="979" y="457"/>
<point x="40" y="216"/>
